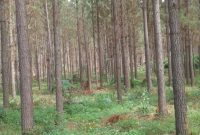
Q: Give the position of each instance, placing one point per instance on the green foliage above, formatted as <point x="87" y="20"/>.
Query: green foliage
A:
<point x="165" y="63"/>
<point x="103" y="101"/>
<point x="145" y="103"/>
<point x="196" y="62"/>
<point x="88" y="113"/>
<point x="66" y="85"/>
<point x="136" y="83"/>
<point x="2" y="114"/>
<point x="12" y="117"/>
<point x="127" y="125"/>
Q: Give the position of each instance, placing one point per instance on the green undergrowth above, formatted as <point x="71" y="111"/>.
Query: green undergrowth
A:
<point x="98" y="113"/>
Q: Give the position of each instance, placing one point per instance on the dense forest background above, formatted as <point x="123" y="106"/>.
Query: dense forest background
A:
<point x="121" y="67"/>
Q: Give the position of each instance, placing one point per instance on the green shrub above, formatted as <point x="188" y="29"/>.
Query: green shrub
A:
<point x="103" y="101"/>
<point x="136" y="83"/>
<point x="2" y="114"/>
<point x="145" y="103"/>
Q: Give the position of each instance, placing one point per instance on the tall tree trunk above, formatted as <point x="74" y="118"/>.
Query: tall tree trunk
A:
<point x="57" y="48"/>
<point x="135" y="54"/>
<point x="189" y="54"/>
<point x="37" y="65"/>
<point x="177" y="70"/>
<point x="49" y="49"/>
<point x="24" y="68"/>
<point x="87" y="52"/>
<point x="100" y="47"/>
<point x="159" y="59"/>
<point x="79" y="42"/>
<point x="125" y="48"/>
<point x="4" y="53"/>
<point x="168" y="45"/>
<point x="147" y="51"/>
<point x="131" y="50"/>
<point x="94" y="43"/>
<point x="199" y="39"/>
<point x="116" y="37"/>
<point x="12" y="49"/>
<point x="64" y="60"/>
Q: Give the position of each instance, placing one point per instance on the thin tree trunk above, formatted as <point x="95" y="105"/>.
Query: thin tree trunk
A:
<point x="135" y="54"/>
<point x="4" y="53"/>
<point x="125" y="48"/>
<point x="147" y="51"/>
<point x="64" y="60"/>
<point x="116" y="35"/>
<point x="79" y="42"/>
<point x="168" y="45"/>
<point x="37" y="65"/>
<point x="159" y="59"/>
<point x="99" y="46"/>
<point x="12" y="49"/>
<point x="94" y="43"/>
<point x="87" y="52"/>
<point x="49" y="49"/>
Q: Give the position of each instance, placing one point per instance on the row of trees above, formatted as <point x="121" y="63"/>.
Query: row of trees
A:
<point x="97" y="40"/>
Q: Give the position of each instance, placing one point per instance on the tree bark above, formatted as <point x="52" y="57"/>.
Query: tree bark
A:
<point x="94" y="43"/>
<point x="12" y="49"/>
<point x="147" y="51"/>
<point x="125" y="53"/>
<point x="57" y="48"/>
<point x="100" y="47"/>
<point x="159" y="59"/>
<point x="116" y="37"/>
<point x="49" y="49"/>
<point x="87" y="52"/>
<point x="177" y="70"/>
<point x="24" y="68"/>
<point x="4" y="53"/>
<point x="168" y="45"/>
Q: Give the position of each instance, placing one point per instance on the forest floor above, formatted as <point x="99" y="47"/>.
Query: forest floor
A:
<point x="97" y="113"/>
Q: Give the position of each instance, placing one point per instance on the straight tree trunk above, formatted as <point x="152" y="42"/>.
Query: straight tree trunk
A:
<point x="4" y="53"/>
<point x="49" y="48"/>
<point x="189" y="54"/>
<point x="87" y="52"/>
<point x="24" y="68"/>
<point x="125" y="53"/>
<point x="37" y="66"/>
<point x="131" y="50"/>
<point x="199" y="39"/>
<point x="100" y="47"/>
<point x="12" y="49"/>
<point x="135" y="54"/>
<point x="168" y="45"/>
<point x="116" y="37"/>
<point x="177" y="70"/>
<point x="79" y="42"/>
<point x="162" y="105"/>
<point x="147" y="51"/>
<point x="94" y="43"/>
<point x="57" y="48"/>
<point x="64" y="60"/>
